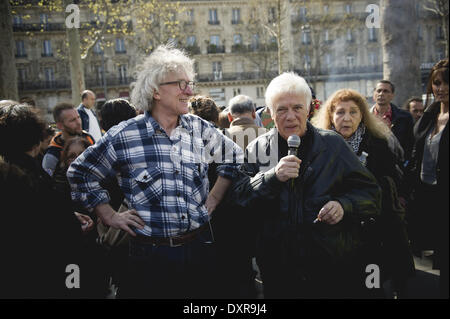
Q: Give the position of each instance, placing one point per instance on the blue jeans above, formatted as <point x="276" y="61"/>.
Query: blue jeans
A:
<point x="187" y="271"/>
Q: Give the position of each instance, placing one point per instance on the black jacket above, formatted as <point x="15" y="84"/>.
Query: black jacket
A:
<point x="402" y="127"/>
<point x="40" y="235"/>
<point x="329" y="171"/>
<point x="423" y="125"/>
<point x="394" y="256"/>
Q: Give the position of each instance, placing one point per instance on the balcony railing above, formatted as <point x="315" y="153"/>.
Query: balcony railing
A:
<point x="47" y="54"/>
<point x="239" y="48"/>
<point x="23" y="27"/>
<point x="193" y="49"/>
<point x="212" y="48"/>
<point x="66" y="84"/>
<point x="214" y="22"/>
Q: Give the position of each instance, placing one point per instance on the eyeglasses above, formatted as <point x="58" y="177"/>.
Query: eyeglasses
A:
<point x="182" y="84"/>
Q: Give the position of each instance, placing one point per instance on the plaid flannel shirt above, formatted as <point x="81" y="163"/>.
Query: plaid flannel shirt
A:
<point x="163" y="178"/>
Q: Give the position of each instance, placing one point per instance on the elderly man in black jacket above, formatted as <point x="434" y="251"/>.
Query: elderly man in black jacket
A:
<point x="308" y="208"/>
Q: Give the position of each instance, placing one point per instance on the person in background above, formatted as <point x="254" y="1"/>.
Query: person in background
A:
<point x="41" y="235"/>
<point x="398" y="120"/>
<point x="428" y="175"/>
<point x="49" y="133"/>
<point x="69" y="123"/>
<point x="86" y="110"/>
<point x="223" y="121"/>
<point x="115" y="111"/>
<point x="347" y="113"/>
<point x="415" y="106"/>
<point x="205" y="107"/>
<point x="242" y="117"/>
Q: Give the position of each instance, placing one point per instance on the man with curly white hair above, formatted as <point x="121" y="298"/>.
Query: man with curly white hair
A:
<point x="165" y="182"/>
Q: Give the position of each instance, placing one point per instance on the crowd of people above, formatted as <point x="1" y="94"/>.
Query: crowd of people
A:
<point x="170" y="196"/>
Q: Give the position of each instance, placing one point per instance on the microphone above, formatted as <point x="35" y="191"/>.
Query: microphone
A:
<point x="293" y="142"/>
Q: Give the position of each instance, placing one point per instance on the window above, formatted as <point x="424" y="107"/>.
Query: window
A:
<point x="272" y="14"/>
<point x="348" y="8"/>
<point x="213" y="19"/>
<point x="120" y="46"/>
<point x="372" y="35"/>
<point x="17" y="20"/>
<point x="326" y="35"/>
<point x="306" y="37"/>
<point x="439" y="33"/>
<point x="307" y="62"/>
<point x="49" y="75"/>
<point x="373" y="60"/>
<point x="190" y="41"/>
<point x="172" y="16"/>
<point x="237" y="39"/>
<point x="255" y="42"/>
<point x="302" y="12"/>
<point x="43" y="18"/>
<point x="20" y="48"/>
<point x="350" y="61"/>
<point x="419" y="32"/>
<point x="239" y="67"/>
<point x="235" y="16"/>
<point x="99" y="74"/>
<point x="122" y="73"/>
<point x="215" y="40"/>
<point x="98" y="48"/>
<point x="190" y="15"/>
<point x="326" y="9"/>
<point x="327" y="59"/>
<point x="236" y="91"/>
<point x="349" y="36"/>
<point x="260" y="92"/>
<point x="47" y="45"/>
<point x="217" y="70"/>
<point x="21" y="75"/>
<point x="218" y="95"/>
<point x="440" y="54"/>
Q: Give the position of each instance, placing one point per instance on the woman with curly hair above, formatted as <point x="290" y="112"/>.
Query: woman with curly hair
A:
<point x="347" y="113"/>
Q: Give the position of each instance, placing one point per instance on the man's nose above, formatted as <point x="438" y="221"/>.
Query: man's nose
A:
<point x="188" y="91"/>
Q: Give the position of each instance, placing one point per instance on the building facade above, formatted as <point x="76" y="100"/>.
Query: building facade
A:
<point x="234" y="43"/>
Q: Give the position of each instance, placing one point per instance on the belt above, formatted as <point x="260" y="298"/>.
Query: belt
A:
<point x="174" y="241"/>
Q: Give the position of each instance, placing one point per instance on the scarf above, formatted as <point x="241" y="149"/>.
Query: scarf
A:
<point x="356" y="138"/>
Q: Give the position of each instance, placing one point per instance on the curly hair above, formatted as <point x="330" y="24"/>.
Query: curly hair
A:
<point x="323" y="118"/>
<point x="20" y="129"/>
<point x="164" y="60"/>
<point x="205" y="107"/>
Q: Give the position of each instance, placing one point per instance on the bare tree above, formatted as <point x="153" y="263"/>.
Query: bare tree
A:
<point x="401" y="64"/>
<point x="441" y="9"/>
<point x="318" y="34"/>
<point x="8" y="73"/>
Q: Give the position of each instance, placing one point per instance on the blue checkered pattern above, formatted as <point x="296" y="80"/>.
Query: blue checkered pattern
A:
<point x="164" y="179"/>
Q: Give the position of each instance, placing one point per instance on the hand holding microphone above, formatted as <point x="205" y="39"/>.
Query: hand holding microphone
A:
<point x="288" y="167"/>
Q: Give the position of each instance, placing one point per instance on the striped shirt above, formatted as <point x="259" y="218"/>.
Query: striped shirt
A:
<point x="163" y="178"/>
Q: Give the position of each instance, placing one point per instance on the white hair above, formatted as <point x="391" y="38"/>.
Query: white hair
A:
<point x="287" y="83"/>
<point x="241" y="104"/>
<point x="164" y="60"/>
